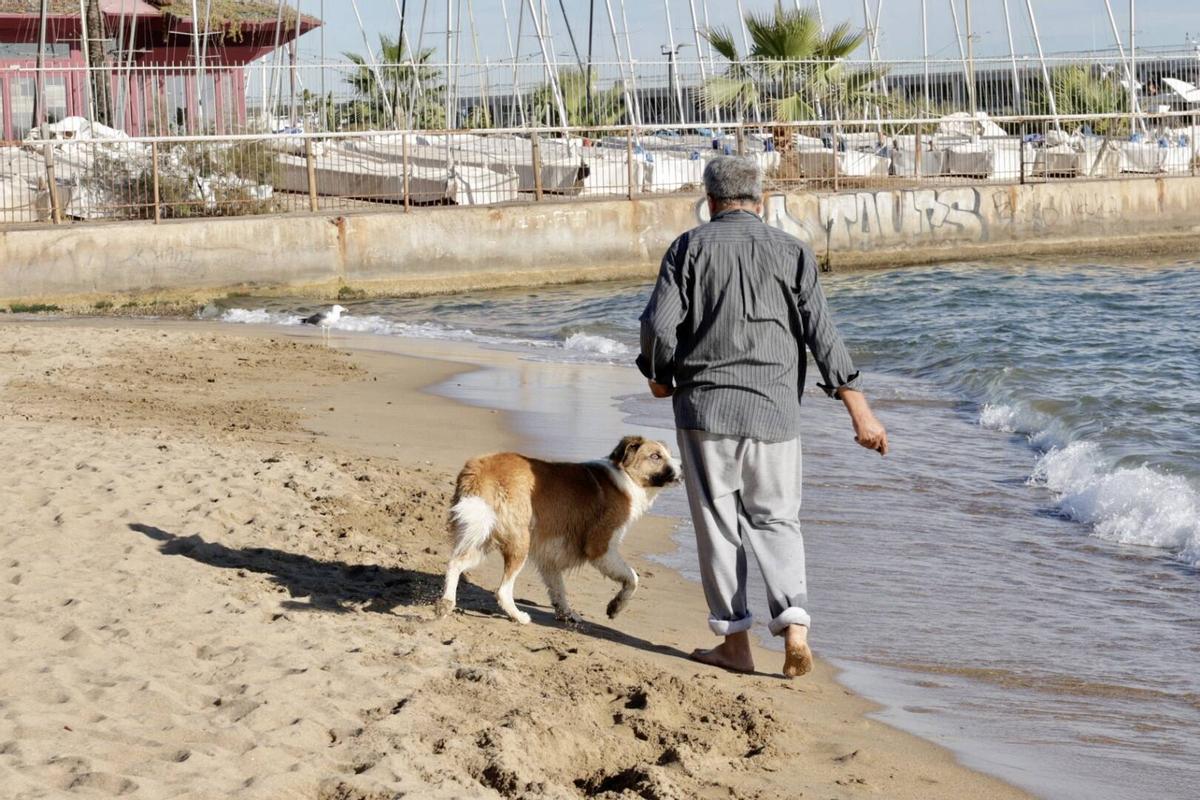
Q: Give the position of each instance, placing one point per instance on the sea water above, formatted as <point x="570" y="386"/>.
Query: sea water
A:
<point x="1020" y="579"/>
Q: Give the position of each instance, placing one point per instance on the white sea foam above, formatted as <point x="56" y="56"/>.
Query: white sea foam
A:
<point x="601" y="345"/>
<point x="258" y="316"/>
<point x="1128" y="505"/>
<point x="576" y="347"/>
<point x="1001" y="418"/>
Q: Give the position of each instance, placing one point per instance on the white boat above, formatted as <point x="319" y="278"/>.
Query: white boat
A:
<point x="342" y="173"/>
<point x="850" y="164"/>
<point x="990" y="159"/>
<point x="904" y="157"/>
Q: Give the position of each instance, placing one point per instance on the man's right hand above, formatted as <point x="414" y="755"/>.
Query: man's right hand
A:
<point x="868" y="431"/>
<point x="871" y="434"/>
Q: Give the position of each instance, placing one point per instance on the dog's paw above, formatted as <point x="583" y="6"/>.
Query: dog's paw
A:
<point x="569" y="617"/>
<point x="444" y="607"/>
<point x="521" y="618"/>
<point x="617" y="605"/>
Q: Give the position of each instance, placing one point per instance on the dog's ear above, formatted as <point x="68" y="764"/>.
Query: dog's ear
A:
<point x="625" y="448"/>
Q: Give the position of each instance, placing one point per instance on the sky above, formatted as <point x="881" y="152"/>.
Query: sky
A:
<point x="1065" y="25"/>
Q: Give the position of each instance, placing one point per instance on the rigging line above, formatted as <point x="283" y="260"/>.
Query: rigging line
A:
<point x="571" y="34"/>
<point x="487" y="103"/>
<point x="414" y="70"/>
<point x="637" y="100"/>
<point x="546" y="57"/>
<point x="374" y="66"/>
<point x="275" y="66"/>
<point x="962" y="53"/>
<point x="512" y="53"/>
<point x="591" y="42"/>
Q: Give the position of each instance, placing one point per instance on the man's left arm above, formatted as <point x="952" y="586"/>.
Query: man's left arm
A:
<point x="660" y="321"/>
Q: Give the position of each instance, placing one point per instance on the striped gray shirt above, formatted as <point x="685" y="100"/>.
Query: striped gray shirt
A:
<point x="735" y="304"/>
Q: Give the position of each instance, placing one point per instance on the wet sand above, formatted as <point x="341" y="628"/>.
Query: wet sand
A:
<point x="218" y="551"/>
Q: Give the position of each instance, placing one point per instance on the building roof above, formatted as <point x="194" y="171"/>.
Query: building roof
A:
<point x="231" y="10"/>
<point x="223" y="11"/>
<point x="244" y="29"/>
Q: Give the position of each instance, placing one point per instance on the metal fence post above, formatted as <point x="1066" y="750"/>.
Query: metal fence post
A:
<point x="537" y="166"/>
<point x="629" y="165"/>
<point x="1021" y="161"/>
<point x="920" y="169"/>
<point x="836" y="171"/>
<point x="1192" y="148"/>
<point x="311" y="162"/>
<point x="406" y="181"/>
<point x="154" y="179"/>
<point x="741" y="139"/>
<point x="55" y="201"/>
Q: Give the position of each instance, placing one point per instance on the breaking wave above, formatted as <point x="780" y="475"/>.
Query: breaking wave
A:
<point x="1127" y="505"/>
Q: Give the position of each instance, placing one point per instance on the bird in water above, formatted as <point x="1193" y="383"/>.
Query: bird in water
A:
<point x="324" y="320"/>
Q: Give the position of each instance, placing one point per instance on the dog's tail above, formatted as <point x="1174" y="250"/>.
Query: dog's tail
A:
<point x="472" y="518"/>
<point x="473" y="521"/>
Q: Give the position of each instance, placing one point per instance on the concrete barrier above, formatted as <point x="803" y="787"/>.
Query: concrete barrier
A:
<point x="446" y="249"/>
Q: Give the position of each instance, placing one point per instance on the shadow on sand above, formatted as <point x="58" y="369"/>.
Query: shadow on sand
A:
<point x="338" y="587"/>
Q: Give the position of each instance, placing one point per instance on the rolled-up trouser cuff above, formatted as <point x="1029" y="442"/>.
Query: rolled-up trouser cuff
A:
<point x="791" y="616"/>
<point x="728" y="627"/>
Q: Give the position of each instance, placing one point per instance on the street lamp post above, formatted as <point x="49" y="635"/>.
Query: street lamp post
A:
<point x="674" y="87"/>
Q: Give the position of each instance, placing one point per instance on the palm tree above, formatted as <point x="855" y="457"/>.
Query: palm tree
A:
<point x="792" y="69"/>
<point x="405" y="83"/>
<point x="585" y="106"/>
<point x="1079" y="90"/>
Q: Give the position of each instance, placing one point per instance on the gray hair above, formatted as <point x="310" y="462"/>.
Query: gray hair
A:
<point x="733" y="179"/>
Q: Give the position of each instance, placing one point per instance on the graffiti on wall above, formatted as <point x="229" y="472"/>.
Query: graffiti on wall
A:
<point x="866" y="219"/>
<point x="869" y="219"/>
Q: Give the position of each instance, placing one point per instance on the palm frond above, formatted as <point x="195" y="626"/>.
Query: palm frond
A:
<point x="840" y="42"/>
<point x="721" y="40"/>
<point x="724" y="92"/>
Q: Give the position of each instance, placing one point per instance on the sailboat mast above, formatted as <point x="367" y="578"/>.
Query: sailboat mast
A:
<point x="512" y="53"/>
<point x="39" y="98"/>
<point x="970" y="60"/>
<point x="550" y="70"/>
<point x="1018" y="105"/>
<point x="1037" y="39"/>
<point x="925" y="52"/>
<point x="671" y="63"/>
<point x="612" y="26"/>
<point x="1133" y="81"/>
<point x="450" y="88"/>
<point x="87" y="59"/>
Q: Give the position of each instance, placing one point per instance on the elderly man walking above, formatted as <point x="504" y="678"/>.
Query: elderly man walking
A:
<point x="724" y="334"/>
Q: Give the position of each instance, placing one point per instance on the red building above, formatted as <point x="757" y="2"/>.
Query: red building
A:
<point x="150" y="51"/>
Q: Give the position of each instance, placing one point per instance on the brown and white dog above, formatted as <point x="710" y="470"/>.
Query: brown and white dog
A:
<point x="560" y="515"/>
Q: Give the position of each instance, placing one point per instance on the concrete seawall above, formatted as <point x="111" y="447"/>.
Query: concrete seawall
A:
<point x="443" y="249"/>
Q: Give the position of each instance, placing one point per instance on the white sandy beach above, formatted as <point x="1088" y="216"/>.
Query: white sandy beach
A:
<point x="215" y="580"/>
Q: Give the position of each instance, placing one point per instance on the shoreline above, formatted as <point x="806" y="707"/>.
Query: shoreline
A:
<point x="370" y="414"/>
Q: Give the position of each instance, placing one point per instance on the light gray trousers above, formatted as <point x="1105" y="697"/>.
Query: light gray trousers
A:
<point x="745" y="494"/>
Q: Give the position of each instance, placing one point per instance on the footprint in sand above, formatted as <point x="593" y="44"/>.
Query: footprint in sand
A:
<point x="112" y="785"/>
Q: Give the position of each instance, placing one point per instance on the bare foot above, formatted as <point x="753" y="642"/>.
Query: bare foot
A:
<point x="733" y="654"/>
<point x="798" y="657"/>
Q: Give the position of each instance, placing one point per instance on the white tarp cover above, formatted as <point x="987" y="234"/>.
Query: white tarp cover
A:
<point x="963" y="124"/>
